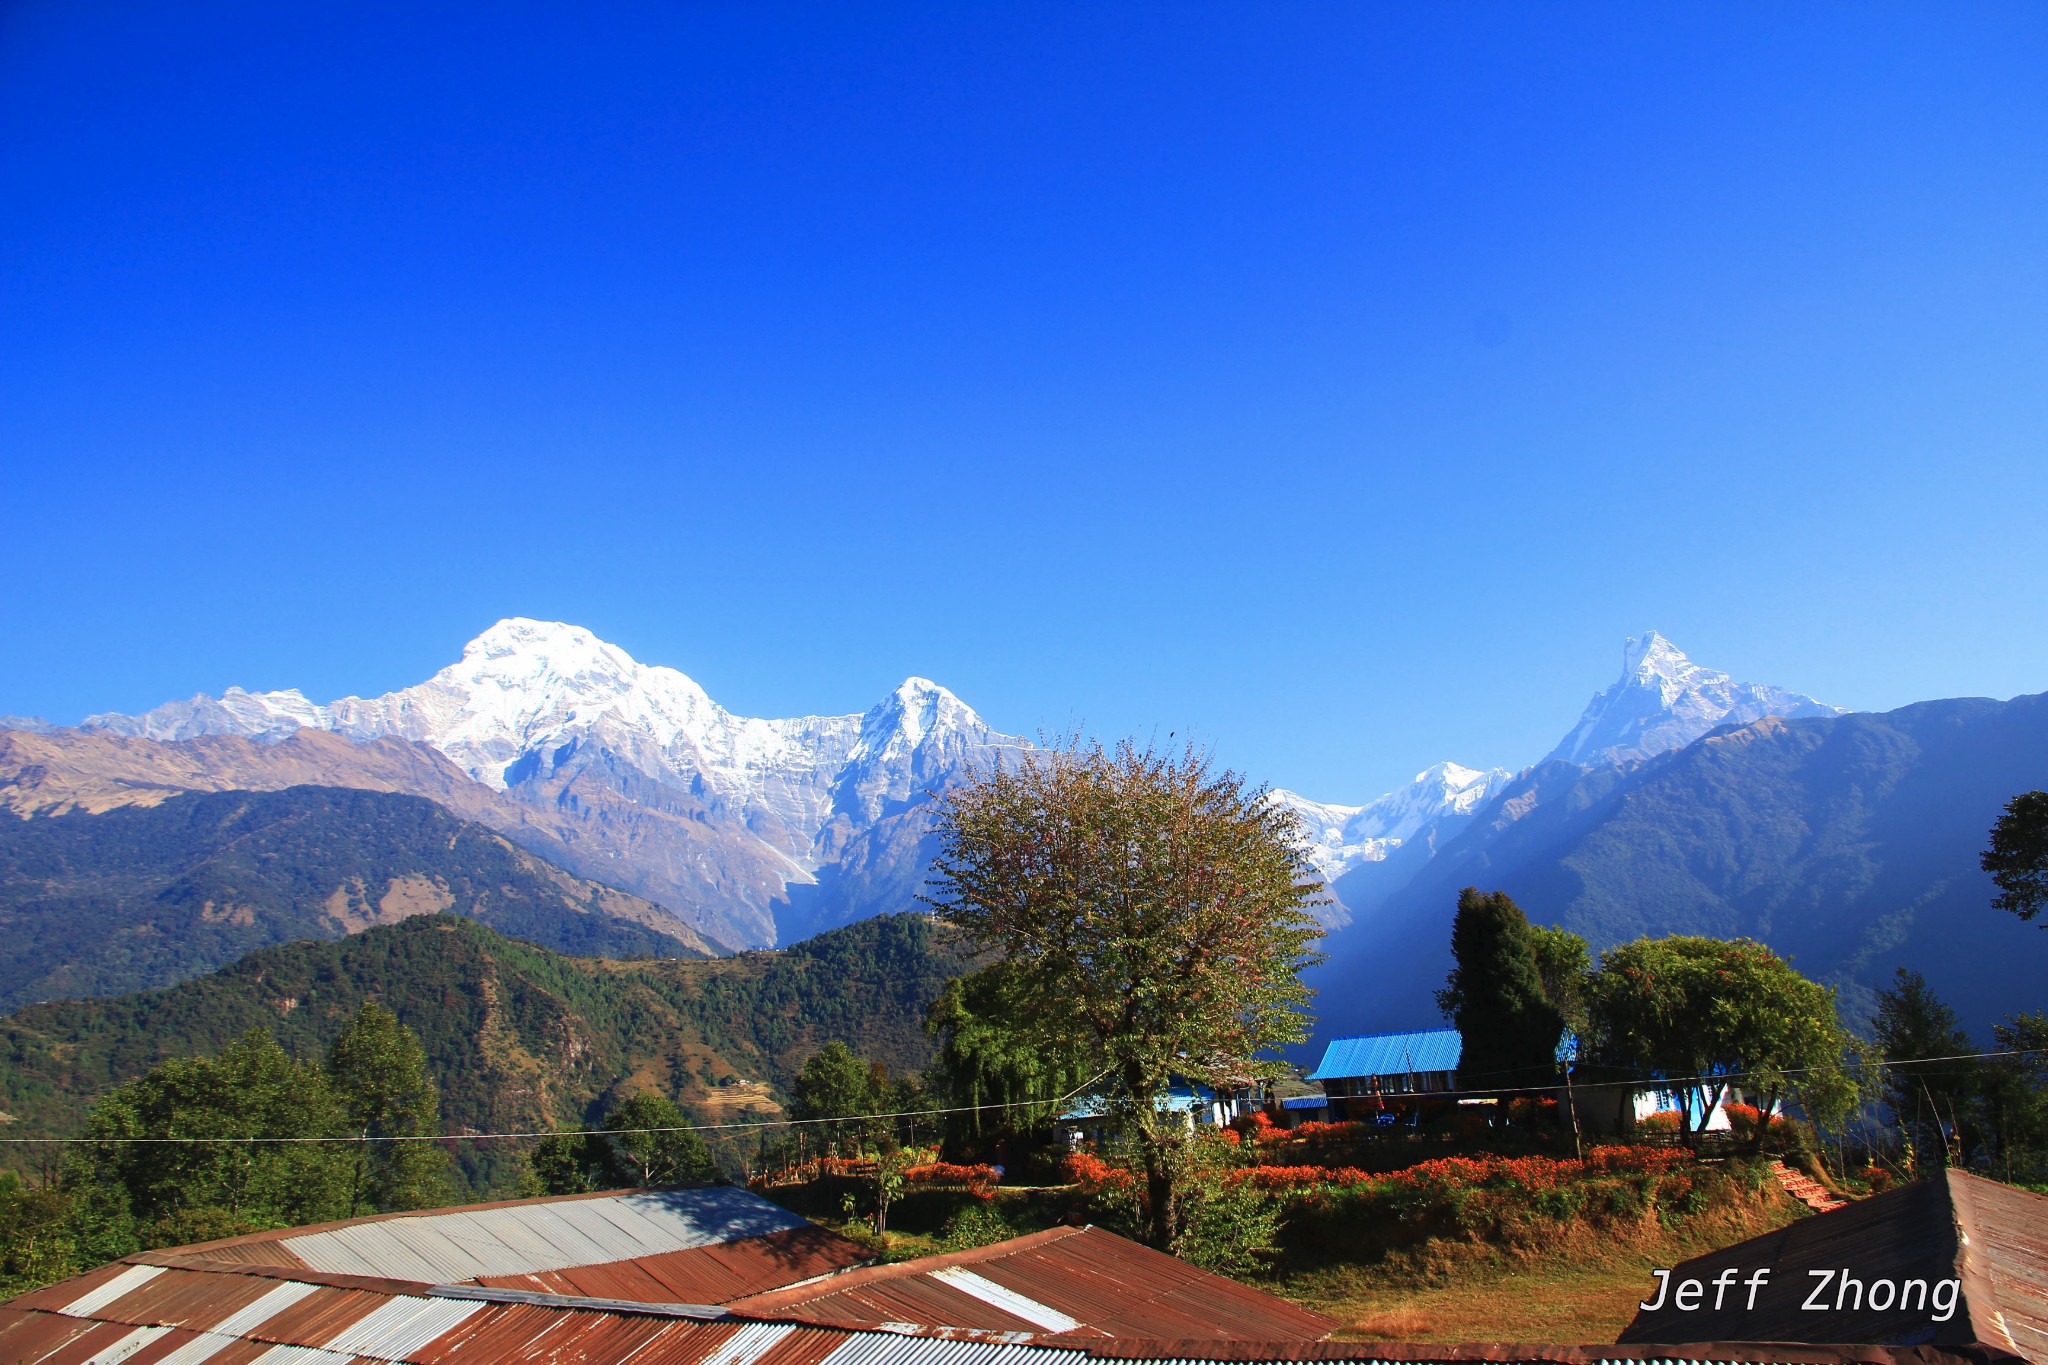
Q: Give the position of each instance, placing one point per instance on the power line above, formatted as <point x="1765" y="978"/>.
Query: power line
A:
<point x="1659" y="1082"/>
<point x="753" y="1126"/>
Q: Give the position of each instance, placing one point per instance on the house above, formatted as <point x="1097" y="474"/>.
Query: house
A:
<point x="1380" y="1074"/>
<point x="1088" y="1117"/>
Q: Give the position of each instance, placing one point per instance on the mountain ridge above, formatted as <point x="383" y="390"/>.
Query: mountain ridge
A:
<point x="757" y="831"/>
<point x="147" y="895"/>
<point x="722" y="818"/>
<point x="1847" y="841"/>
<point x="518" y="1038"/>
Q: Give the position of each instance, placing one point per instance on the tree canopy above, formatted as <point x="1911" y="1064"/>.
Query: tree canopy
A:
<point x="2018" y="856"/>
<point x="379" y="1072"/>
<point x="1155" y="914"/>
<point x="645" y="1142"/>
<point x="1706" y="1011"/>
<point x="1495" y="995"/>
<point x="1002" y="1078"/>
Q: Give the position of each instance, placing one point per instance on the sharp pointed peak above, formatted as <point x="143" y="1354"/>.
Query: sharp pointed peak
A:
<point x="1651" y="654"/>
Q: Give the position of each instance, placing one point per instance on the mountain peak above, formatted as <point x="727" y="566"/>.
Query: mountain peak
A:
<point x="1651" y="655"/>
<point x="517" y="634"/>
<point x="1663" y="700"/>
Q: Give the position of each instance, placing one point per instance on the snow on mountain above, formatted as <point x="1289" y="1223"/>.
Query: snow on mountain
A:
<point x="549" y="713"/>
<point x="754" y="829"/>
<point x="1339" y="838"/>
<point x="1665" y="701"/>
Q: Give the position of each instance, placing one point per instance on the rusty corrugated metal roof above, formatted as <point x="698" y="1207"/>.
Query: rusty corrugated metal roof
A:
<point x="1068" y="1281"/>
<point x="1992" y="1238"/>
<point x="708" y="1274"/>
<point x="360" y="1327"/>
<point x="1070" y="1296"/>
<point x="2004" y="1234"/>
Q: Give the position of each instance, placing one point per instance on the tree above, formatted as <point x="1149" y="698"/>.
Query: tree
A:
<point x="1564" y="965"/>
<point x="379" y="1072"/>
<point x="1701" y="1012"/>
<point x="995" y="1072"/>
<point x="565" y="1163"/>
<point x="251" y="1090"/>
<point x="642" y="1153"/>
<point x="2018" y="856"/>
<point x="1913" y="1028"/>
<point x="835" y="1084"/>
<point x="1507" y="1027"/>
<point x="1155" y="914"/>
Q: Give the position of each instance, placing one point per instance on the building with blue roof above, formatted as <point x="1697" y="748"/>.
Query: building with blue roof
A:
<point x="1367" y="1073"/>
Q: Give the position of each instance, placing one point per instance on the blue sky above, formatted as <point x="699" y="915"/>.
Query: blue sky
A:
<point x="1337" y="383"/>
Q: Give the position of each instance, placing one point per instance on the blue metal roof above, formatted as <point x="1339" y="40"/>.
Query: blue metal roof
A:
<point x="1390" y="1054"/>
<point x="1306" y="1102"/>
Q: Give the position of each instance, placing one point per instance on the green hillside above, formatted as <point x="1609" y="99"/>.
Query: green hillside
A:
<point x="1848" y="843"/>
<point x="143" y="896"/>
<point x="518" y="1037"/>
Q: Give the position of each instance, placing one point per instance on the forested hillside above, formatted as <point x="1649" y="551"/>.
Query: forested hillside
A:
<point x="1848" y="843"/>
<point x="517" y="1037"/>
<point x="145" y="896"/>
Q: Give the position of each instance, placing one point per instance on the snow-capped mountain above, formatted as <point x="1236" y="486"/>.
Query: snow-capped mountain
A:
<point x="1665" y="701"/>
<point x="1339" y="838"/>
<point x="1662" y="701"/>
<point x="760" y="831"/>
<point x="727" y="819"/>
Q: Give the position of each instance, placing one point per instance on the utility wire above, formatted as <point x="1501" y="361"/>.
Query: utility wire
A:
<point x="1659" y="1082"/>
<point x="554" y="1132"/>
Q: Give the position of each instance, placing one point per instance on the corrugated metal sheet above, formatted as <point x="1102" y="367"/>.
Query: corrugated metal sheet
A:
<point x="1121" y="1288"/>
<point x="1009" y="1300"/>
<point x="748" y="1344"/>
<point x="532" y="1332"/>
<point x="451" y="1247"/>
<point x="317" y="1318"/>
<point x="104" y="1293"/>
<point x="302" y="1355"/>
<point x="81" y="1349"/>
<point x="1904" y="1234"/>
<point x="1390" y="1054"/>
<point x="247" y="1318"/>
<point x="2004" y="1262"/>
<point x="197" y="1349"/>
<point x="33" y="1335"/>
<point x="710" y="1274"/>
<point x="398" y="1327"/>
<point x="184" y="1298"/>
<point x="1093" y="1281"/>
<point x="1306" y="1102"/>
<point x="131" y="1345"/>
<point x="876" y="1348"/>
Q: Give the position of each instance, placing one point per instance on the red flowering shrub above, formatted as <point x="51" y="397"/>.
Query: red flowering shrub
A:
<point x="1742" y="1118"/>
<point x="1663" y="1121"/>
<point x="977" y="1180"/>
<point x="1096" y="1176"/>
<point x="1293" y="1179"/>
<point x="1330" y="1132"/>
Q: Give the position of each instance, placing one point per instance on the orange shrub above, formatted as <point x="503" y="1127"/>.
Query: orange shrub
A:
<point x="1663" y="1121"/>
<point x="1096" y="1176"/>
<point x="979" y="1180"/>
<point x="1330" y="1132"/>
